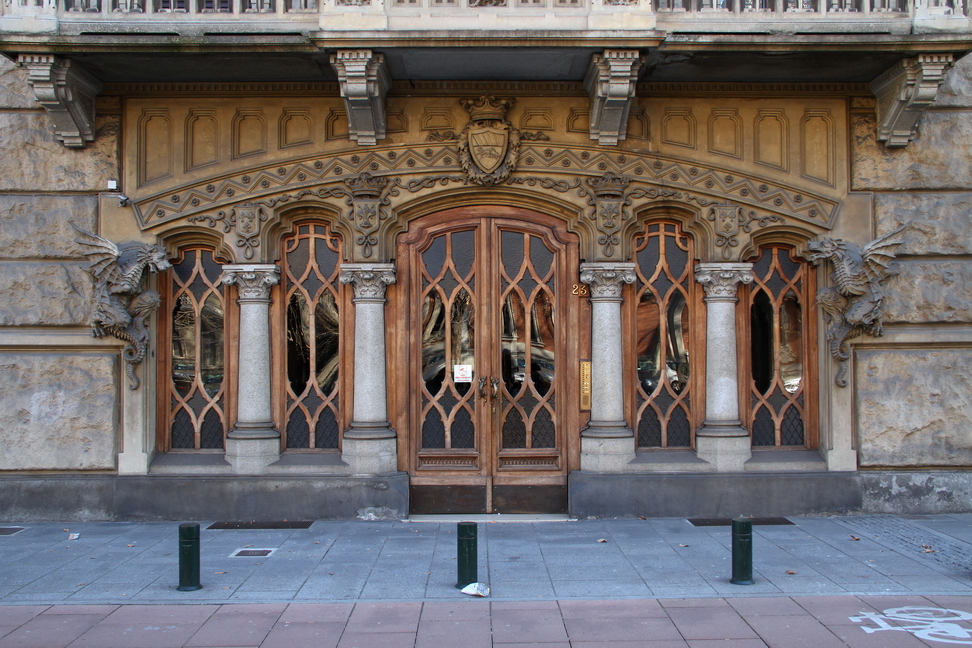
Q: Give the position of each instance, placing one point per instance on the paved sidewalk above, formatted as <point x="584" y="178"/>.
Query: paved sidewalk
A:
<point x="653" y="583"/>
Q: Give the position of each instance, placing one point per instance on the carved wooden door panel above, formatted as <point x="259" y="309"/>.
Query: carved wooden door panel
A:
<point x="488" y="364"/>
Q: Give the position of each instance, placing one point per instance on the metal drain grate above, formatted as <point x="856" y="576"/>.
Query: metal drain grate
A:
<point x="10" y="530"/>
<point x="255" y="525"/>
<point x="768" y="521"/>
<point x="252" y="553"/>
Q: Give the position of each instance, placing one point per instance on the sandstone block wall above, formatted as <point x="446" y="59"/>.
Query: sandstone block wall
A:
<point x="58" y="408"/>
<point x="913" y="394"/>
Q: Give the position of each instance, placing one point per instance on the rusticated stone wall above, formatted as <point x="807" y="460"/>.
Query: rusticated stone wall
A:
<point x="58" y="409"/>
<point x="913" y="401"/>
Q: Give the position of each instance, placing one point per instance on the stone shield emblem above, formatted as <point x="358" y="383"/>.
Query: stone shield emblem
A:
<point x="487" y="146"/>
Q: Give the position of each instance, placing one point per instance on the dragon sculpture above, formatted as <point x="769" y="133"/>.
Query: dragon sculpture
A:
<point x="854" y="305"/>
<point x="121" y="305"/>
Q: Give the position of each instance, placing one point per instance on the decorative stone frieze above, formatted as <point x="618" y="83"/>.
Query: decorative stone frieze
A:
<point x="67" y="93"/>
<point x="245" y="219"/>
<point x="369" y="280"/>
<point x="609" y="211"/>
<point x="611" y="81"/>
<point x="730" y="221"/>
<point x="854" y="305"/>
<point x="721" y="280"/>
<point x="489" y="145"/>
<point x="253" y="282"/>
<point x="122" y="306"/>
<point x="364" y="83"/>
<point x="904" y="92"/>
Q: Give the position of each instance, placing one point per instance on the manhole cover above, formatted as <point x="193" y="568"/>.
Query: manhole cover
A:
<point x="769" y="521"/>
<point x="252" y="553"/>
<point x="284" y="524"/>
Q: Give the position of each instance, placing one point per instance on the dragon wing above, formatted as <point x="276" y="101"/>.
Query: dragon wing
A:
<point x="878" y="254"/>
<point x="102" y="254"/>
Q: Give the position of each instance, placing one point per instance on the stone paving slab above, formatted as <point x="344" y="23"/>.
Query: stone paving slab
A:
<point x="648" y="583"/>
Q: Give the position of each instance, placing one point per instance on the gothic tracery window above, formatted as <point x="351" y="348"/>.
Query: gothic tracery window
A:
<point x="664" y="307"/>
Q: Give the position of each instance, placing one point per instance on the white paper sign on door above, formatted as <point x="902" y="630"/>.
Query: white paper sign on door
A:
<point x="462" y="373"/>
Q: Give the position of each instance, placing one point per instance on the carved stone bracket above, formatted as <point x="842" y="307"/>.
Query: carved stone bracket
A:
<point x="903" y="93"/>
<point x="721" y="280"/>
<point x="855" y="304"/>
<point x="610" y="82"/>
<point x="368" y="279"/>
<point x="364" y="83"/>
<point x="606" y="280"/>
<point x="609" y="213"/>
<point x="368" y="198"/>
<point x="253" y="281"/>
<point x="67" y="93"/>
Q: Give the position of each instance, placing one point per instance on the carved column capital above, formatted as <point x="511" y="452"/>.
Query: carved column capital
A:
<point x="721" y="280"/>
<point x="67" y="93"/>
<point x="253" y="281"/>
<point x="610" y="82"/>
<point x="903" y="93"/>
<point x="606" y="280"/>
<point x="369" y="280"/>
<point x="364" y="82"/>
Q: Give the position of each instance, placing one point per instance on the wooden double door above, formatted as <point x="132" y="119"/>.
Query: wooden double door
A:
<point x="487" y="392"/>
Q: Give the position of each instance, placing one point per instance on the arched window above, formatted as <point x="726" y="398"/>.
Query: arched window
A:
<point x="312" y="299"/>
<point x="192" y="354"/>
<point x="667" y="338"/>
<point x="781" y="403"/>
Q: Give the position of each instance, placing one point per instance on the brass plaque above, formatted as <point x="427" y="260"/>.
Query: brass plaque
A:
<point x="585" y="385"/>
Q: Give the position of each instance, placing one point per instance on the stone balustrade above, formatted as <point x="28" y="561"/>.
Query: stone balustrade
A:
<point x="305" y="17"/>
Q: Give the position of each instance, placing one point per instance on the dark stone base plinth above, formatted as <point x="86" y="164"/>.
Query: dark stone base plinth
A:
<point x="165" y="497"/>
<point x="712" y="495"/>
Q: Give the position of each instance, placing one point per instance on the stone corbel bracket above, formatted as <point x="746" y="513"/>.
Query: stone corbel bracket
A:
<point x="364" y="83"/>
<point x="611" y="81"/>
<point x="67" y="93"/>
<point x="903" y="93"/>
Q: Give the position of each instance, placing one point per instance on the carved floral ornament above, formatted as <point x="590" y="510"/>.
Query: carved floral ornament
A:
<point x="369" y="280"/>
<point x="606" y="280"/>
<point x="253" y="282"/>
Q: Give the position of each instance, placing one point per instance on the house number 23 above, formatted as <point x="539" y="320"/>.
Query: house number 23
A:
<point x="579" y="289"/>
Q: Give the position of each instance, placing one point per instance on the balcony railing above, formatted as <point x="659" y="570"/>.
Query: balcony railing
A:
<point x="201" y="17"/>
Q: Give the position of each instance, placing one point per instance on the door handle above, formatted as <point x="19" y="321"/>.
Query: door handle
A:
<point x="482" y="388"/>
<point x="496" y="384"/>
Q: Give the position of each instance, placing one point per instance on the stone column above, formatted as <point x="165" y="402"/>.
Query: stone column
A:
<point x="607" y="444"/>
<point x="370" y="444"/>
<point x="722" y="440"/>
<point x="253" y="443"/>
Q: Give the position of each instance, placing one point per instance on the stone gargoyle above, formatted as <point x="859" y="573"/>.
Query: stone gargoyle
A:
<point x="854" y="305"/>
<point x="122" y="305"/>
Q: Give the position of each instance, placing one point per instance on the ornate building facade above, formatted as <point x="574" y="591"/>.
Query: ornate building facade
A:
<point x="292" y="259"/>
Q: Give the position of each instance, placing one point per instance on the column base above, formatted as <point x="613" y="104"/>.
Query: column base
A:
<point x="725" y="446"/>
<point x="253" y="431"/>
<point x="606" y="455"/>
<point x="370" y="430"/>
<point x="607" y="430"/>
<point x="370" y="456"/>
<point x="252" y="455"/>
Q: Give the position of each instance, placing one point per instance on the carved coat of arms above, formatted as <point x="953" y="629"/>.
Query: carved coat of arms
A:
<point x="488" y="145"/>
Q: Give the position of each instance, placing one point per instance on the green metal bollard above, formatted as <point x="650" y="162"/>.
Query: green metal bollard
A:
<point x="742" y="552"/>
<point x="467" y="558"/>
<point x="189" y="557"/>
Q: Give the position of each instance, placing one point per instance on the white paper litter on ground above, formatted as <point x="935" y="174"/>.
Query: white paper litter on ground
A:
<point x="476" y="589"/>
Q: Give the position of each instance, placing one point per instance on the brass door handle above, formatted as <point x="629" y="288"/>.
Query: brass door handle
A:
<point x="496" y="384"/>
<point x="482" y="388"/>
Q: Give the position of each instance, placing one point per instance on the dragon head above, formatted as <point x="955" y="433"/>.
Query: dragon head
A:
<point x="156" y="259"/>
<point x="825" y="248"/>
